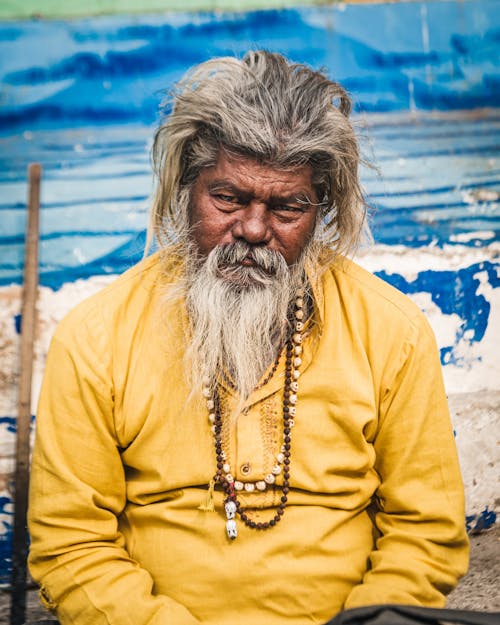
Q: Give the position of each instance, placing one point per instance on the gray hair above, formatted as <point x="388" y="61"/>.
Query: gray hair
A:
<point x="268" y="109"/>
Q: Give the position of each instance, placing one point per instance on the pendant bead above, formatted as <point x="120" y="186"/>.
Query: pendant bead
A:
<point x="230" y="508"/>
<point x="231" y="529"/>
<point x="270" y="479"/>
<point x="238" y="485"/>
<point x="261" y="485"/>
<point x="249" y="487"/>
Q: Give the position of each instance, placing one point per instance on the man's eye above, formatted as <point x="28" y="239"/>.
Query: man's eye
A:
<point x="287" y="208"/>
<point x="226" y="198"/>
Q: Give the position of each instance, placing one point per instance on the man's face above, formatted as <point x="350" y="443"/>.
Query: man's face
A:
<point x="240" y="199"/>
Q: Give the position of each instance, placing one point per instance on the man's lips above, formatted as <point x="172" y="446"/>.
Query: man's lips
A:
<point x="248" y="261"/>
<point x="264" y="262"/>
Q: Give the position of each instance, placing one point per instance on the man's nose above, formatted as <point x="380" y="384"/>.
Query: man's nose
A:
<point x="253" y="225"/>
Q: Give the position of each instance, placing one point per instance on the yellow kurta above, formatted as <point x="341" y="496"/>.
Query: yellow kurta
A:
<point x="122" y="462"/>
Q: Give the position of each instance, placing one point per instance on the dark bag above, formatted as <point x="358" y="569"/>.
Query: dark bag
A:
<point x="412" y="615"/>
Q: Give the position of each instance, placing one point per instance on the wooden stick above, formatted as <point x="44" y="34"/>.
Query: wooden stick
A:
<point x="20" y="533"/>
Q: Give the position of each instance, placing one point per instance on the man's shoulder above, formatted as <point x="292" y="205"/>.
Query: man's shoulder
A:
<point x="358" y="287"/>
<point x="127" y="296"/>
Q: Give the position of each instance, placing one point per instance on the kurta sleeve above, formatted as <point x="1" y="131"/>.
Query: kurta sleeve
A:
<point x="78" y="491"/>
<point x="422" y="547"/>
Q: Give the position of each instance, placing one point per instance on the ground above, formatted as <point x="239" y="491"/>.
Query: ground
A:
<point x="478" y="590"/>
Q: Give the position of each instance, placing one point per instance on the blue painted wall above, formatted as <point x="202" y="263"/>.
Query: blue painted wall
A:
<point x="411" y="55"/>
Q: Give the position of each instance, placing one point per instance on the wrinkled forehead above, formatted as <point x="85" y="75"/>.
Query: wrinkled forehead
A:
<point x="257" y="178"/>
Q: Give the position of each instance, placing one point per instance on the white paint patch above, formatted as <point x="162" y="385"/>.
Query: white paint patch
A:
<point x="409" y="262"/>
<point x="465" y="237"/>
<point x="7" y="452"/>
<point x="477" y="366"/>
<point x="476" y="422"/>
<point x="10" y="306"/>
<point x="480" y="363"/>
<point x="52" y="306"/>
<point x="446" y="327"/>
<point x="476" y="196"/>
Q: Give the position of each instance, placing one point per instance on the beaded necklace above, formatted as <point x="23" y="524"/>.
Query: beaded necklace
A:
<point x="223" y="475"/>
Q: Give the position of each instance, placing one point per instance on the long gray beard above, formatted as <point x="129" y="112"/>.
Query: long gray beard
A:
<point x="238" y="314"/>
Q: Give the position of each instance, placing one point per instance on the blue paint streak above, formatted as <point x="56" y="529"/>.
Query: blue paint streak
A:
<point x="476" y="523"/>
<point x="432" y="190"/>
<point x="5" y="542"/>
<point x="115" y="262"/>
<point x="10" y="422"/>
<point x="74" y="203"/>
<point x="454" y="292"/>
<point x="54" y="236"/>
<point x="114" y="70"/>
<point x="18" y="323"/>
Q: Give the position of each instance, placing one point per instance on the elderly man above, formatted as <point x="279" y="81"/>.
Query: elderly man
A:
<point x="246" y="427"/>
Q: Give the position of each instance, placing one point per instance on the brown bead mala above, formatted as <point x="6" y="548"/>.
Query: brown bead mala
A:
<point x="223" y="476"/>
<point x="228" y="486"/>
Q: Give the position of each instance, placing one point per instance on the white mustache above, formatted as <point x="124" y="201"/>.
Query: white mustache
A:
<point x="235" y="253"/>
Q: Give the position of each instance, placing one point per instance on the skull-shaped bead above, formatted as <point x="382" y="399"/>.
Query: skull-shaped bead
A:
<point x="231" y="530"/>
<point x="230" y="508"/>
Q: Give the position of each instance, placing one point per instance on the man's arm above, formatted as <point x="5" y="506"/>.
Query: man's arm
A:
<point x="77" y="493"/>
<point x="422" y="548"/>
